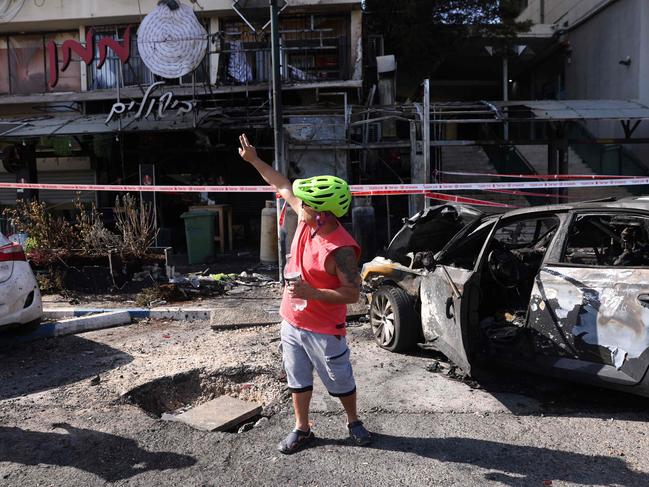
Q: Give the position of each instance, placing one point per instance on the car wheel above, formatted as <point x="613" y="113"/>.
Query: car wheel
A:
<point x="393" y="319"/>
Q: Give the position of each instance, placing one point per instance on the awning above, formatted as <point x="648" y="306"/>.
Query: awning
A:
<point x="575" y="110"/>
<point x="8" y="127"/>
<point x="75" y="124"/>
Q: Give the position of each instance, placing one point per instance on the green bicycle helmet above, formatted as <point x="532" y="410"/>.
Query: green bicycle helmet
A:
<point x="324" y="193"/>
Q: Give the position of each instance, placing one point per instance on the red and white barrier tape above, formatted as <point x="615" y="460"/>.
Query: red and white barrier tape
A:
<point x="530" y="193"/>
<point x="358" y="190"/>
<point x="557" y="177"/>
<point x="465" y="200"/>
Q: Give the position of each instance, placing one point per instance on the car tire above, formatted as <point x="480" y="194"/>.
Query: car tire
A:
<point x="393" y="319"/>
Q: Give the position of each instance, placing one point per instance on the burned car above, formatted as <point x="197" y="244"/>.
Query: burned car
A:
<point x="560" y="290"/>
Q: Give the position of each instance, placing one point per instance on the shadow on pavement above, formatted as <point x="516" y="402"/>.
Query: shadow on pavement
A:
<point x="47" y="364"/>
<point x="516" y="465"/>
<point x="108" y="456"/>
<point x="526" y="393"/>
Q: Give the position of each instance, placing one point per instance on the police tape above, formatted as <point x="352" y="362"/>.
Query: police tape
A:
<point x="357" y="190"/>
<point x="451" y="198"/>
<point x="557" y="177"/>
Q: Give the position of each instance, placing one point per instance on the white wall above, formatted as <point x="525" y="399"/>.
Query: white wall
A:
<point x="559" y="11"/>
<point x="595" y="71"/>
<point x="598" y="46"/>
<point x="64" y="14"/>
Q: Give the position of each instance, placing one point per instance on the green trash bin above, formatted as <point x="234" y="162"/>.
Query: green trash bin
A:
<point x="199" y="232"/>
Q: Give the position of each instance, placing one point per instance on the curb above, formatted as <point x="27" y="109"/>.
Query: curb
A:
<point x="176" y="314"/>
<point x="80" y="320"/>
<point x="75" y="325"/>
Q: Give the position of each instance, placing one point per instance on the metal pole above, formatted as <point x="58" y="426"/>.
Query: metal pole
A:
<point x="426" y="136"/>
<point x="278" y="127"/>
<point x="389" y="225"/>
<point x="506" y="93"/>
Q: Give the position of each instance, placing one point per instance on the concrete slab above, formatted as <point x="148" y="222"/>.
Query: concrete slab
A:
<point x="176" y="314"/>
<point x="71" y="327"/>
<point x="219" y="317"/>
<point x="220" y="414"/>
<point x="92" y="322"/>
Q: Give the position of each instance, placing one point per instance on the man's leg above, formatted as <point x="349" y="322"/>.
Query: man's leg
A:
<point x="349" y="403"/>
<point x="357" y="431"/>
<point x="330" y="357"/>
<point x="299" y="375"/>
<point x="301" y="401"/>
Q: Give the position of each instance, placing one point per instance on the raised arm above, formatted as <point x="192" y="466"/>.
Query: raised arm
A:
<point x="278" y="181"/>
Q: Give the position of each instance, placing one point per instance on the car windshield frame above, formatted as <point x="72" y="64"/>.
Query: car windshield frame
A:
<point x="466" y="231"/>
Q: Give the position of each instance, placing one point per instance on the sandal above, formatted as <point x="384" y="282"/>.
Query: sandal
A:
<point x="296" y="440"/>
<point x="359" y="434"/>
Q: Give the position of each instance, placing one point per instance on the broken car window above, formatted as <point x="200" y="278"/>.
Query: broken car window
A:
<point x="527" y="233"/>
<point x="517" y="249"/>
<point x="463" y="250"/>
<point x="619" y="240"/>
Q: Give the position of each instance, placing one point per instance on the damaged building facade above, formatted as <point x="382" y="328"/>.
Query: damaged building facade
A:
<point x="78" y="104"/>
<point x="528" y="106"/>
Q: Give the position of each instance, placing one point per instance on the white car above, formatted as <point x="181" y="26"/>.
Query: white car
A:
<point x="20" y="299"/>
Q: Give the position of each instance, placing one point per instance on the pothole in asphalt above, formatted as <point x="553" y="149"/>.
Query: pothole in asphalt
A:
<point x="176" y="394"/>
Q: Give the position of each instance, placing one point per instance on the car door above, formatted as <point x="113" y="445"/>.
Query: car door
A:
<point x="590" y="302"/>
<point x="446" y="294"/>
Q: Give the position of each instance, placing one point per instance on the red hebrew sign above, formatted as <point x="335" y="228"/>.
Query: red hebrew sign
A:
<point x="87" y="52"/>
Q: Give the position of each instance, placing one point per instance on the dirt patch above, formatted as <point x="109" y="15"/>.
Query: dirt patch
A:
<point x="181" y="392"/>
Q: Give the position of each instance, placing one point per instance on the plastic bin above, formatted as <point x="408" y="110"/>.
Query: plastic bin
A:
<point x="199" y="233"/>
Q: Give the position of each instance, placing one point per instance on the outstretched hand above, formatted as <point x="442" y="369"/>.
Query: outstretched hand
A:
<point x="247" y="152"/>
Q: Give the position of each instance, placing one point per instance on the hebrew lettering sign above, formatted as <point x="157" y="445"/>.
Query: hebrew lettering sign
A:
<point x="87" y="52"/>
<point x="151" y="105"/>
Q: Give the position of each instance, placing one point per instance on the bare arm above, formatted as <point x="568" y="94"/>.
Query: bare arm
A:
<point x="278" y="181"/>
<point x="345" y="266"/>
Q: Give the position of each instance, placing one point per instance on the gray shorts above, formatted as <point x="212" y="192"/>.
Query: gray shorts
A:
<point x="305" y="350"/>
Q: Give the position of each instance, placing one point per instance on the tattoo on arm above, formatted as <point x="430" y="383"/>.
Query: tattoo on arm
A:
<point x="347" y="264"/>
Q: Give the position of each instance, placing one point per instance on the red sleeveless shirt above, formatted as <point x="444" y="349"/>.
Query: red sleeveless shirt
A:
<point x="308" y="255"/>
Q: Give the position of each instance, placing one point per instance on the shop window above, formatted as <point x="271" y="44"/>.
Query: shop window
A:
<point x="70" y="79"/>
<point x="313" y="48"/>
<point x="24" y="65"/>
<point x="134" y="72"/>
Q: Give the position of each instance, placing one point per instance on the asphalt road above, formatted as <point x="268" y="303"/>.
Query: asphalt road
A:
<point x="59" y="427"/>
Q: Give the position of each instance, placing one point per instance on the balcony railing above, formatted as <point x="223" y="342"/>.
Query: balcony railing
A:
<point x="313" y="48"/>
<point x="133" y="73"/>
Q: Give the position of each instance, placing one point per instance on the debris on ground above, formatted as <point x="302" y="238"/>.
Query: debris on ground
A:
<point x="220" y="414"/>
<point x="455" y="373"/>
<point x="214" y="284"/>
<point x="223" y="277"/>
<point x="434" y="367"/>
<point x="161" y="294"/>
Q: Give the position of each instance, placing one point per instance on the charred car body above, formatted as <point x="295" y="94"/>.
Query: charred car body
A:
<point x="561" y="290"/>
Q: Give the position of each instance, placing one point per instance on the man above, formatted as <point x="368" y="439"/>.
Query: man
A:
<point x="313" y="337"/>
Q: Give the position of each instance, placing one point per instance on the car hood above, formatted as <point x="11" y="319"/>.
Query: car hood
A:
<point x="430" y="230"/>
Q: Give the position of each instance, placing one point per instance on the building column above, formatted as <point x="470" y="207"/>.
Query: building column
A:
<point x="28" y="172"/>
